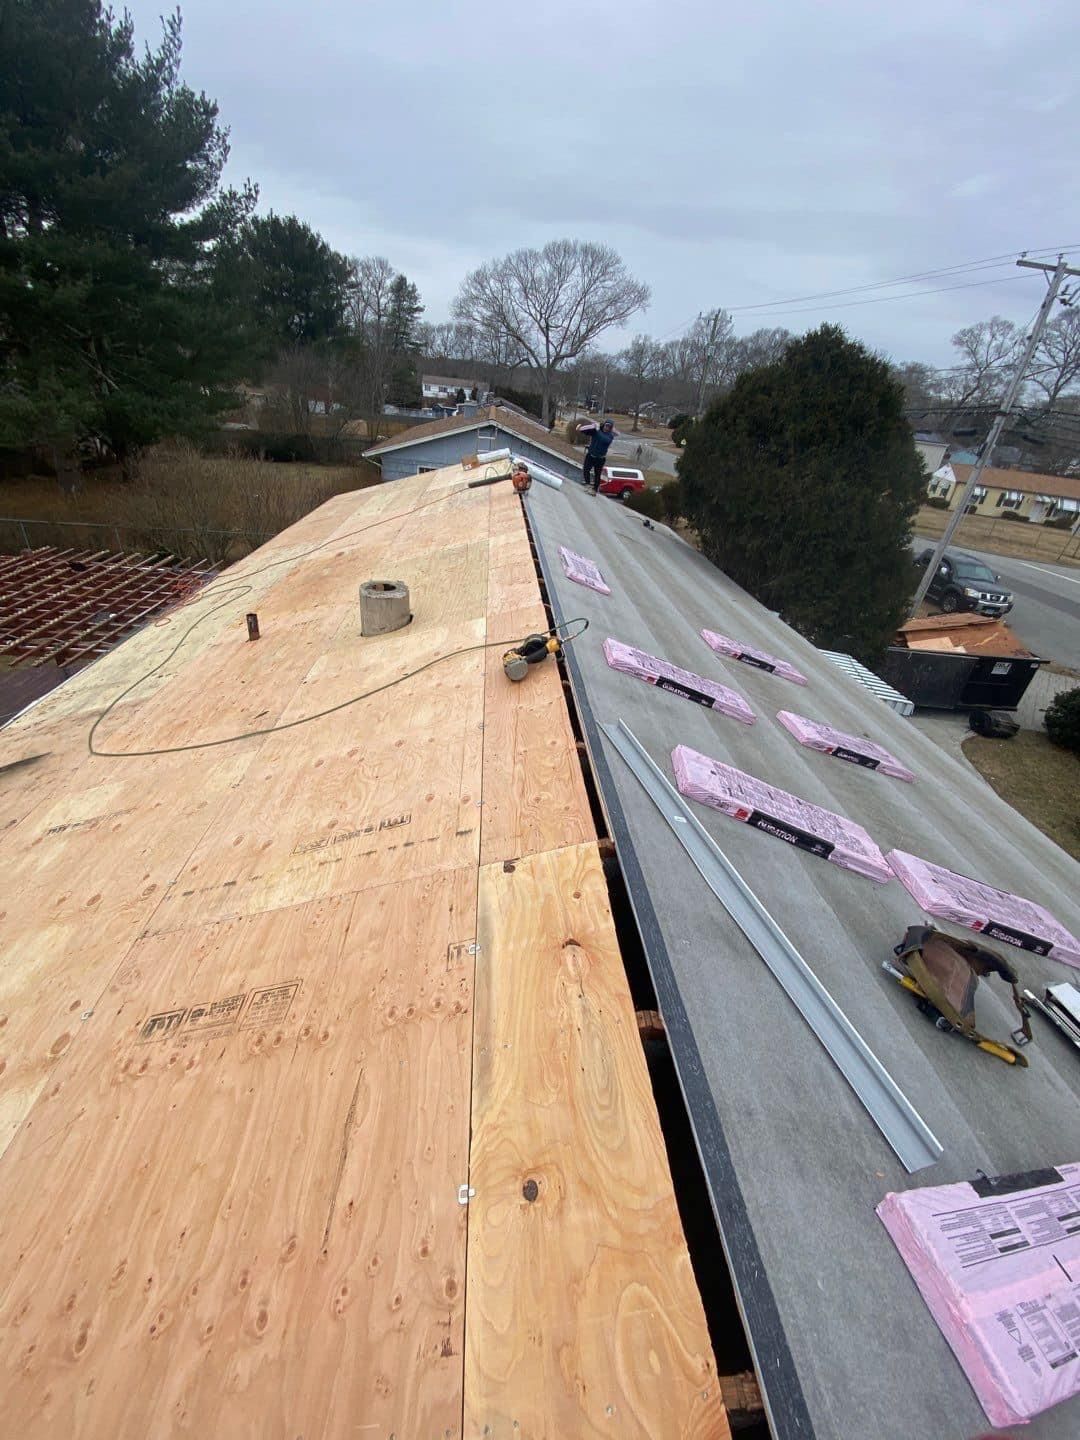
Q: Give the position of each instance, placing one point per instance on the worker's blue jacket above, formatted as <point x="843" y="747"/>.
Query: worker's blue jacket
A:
<point x="600" y="443"/>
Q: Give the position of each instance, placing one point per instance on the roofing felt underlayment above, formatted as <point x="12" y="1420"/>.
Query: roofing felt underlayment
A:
<point x="844" y="1343"/>
<point x="323" y="1110"/>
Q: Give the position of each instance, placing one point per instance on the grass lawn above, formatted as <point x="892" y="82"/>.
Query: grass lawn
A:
<point x="1002" y="537"/>
<point x="179" y="500"/>
<point x="1040" y="780"/>
<point x="625" y="424"/>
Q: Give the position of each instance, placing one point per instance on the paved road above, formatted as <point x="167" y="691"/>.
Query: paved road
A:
<point x="1046" y="615"/>
<point x="625" y="449"/>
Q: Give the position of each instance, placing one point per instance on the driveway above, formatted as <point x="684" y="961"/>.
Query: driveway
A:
<point x="1046" y="615"/>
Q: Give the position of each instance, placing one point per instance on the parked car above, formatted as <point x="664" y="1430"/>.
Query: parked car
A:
<point x="621" y="481"/>
<point x="963" y="582"/>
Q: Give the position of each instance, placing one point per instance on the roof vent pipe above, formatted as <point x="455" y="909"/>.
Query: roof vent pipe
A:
<point x="384" y="606"/>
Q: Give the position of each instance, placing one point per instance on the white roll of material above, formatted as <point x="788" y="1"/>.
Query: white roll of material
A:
<point x="546" y="477"/>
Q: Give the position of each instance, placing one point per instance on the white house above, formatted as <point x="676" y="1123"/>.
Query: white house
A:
<point x="444" y="387"/>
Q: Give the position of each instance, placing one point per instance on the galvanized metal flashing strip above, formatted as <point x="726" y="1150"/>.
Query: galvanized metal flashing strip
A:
<point x="910" y="1137"/>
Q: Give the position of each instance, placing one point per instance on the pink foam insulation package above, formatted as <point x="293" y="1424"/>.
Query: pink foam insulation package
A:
<point x="676" y="681"/>
<point x="583" y="570"/>
<point x="759" y="659"/>
<point x="854" y="748"/>
<point x="999" y="1269"/>
<point x="994" y="913"/>
<point x="798" y="822"/>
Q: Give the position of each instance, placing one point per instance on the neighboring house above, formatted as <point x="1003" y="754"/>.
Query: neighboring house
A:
<point x="493" y="427"/>
<point x="1037" y="498"/>
<point x="931" y="450"/>
<point x="443" y="387"/>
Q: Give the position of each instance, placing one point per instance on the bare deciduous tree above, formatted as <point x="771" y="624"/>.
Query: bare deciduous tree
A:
<point x="761" y="347"/>
<point x="370" y="315"/>
<point x="984" y="349"/>
<point x="1056" y="366"/>
<point x="640" y="362"/>
<point x="920" y="384"/>
<point x="551" y="302"/>
<point x="298" y="382"/>
<point x="701" y="361"/>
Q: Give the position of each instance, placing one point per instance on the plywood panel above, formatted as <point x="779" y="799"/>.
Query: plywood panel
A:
<point x="583" y="1318"/>
<point x="235" y="1211"/>
<point x="392" y="791"/>
<point x="236" y="1026"/>
<point x="534" y="795"/>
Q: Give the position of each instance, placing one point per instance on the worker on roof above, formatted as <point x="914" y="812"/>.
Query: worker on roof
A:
<point x="596" y="454"/>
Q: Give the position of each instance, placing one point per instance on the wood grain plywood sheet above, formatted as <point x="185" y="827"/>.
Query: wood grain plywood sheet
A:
<point x="534" y="794"/>
<point x="391" y="794"/>
<point x="53" y="975"/>
<point x="235" y="1211"/>
<point x="84" y="873"/>
<point x="115" y="836"/>
<point x="583" y="1318"/>
<point x="454" y="520"/>
<point x="236" y="1023"/>
<point x="388" y="787"/>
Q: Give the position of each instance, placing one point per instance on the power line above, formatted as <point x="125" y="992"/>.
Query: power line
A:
<point x="967" y="268"/>
<point x="881" y="299"/>
<point x="962" y="267"/>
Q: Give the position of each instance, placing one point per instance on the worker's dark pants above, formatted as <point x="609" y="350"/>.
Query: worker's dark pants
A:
<point x="595" y="463"/>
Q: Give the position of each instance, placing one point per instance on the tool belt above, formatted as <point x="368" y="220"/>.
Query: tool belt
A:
<point x="947" y="972"/>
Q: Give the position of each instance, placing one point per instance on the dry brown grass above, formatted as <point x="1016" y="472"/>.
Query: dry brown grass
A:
<point x="1037" y="778"/>
<point x="1003" y="537"/>
<point x="625" y="423"/>
<point x="180" y="500"/>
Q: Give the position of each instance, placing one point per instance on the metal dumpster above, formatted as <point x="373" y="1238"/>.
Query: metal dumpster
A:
<point x="960" y="662"/>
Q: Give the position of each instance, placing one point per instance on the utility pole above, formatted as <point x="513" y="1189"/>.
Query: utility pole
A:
<point x="714" y="322"/>
<point x="1060" y="271"/>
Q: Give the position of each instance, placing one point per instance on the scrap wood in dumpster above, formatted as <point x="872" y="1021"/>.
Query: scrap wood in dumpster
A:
<point x="677" y="681"/>
<point x="999" y="1269"/>
<point x="583" y="570"/>
<point x="778" y="813"/>
<point x="854" y="748"/>
<point x="750" y="655"/>
<point x="996" y="914"/>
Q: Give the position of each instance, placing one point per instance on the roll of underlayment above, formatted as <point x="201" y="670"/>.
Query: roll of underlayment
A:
<point x="546" y="477"/>
<point x="384" y="606"/>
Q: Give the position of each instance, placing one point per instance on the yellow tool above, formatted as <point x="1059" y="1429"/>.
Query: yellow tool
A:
<point x="531" y="651"/>
<point x="943" y="974"/>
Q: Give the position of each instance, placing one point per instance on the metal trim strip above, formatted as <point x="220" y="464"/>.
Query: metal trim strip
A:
<point x="903" y="1127"/>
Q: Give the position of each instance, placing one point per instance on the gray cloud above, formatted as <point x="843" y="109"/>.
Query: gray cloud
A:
<point x="733" y="156"/>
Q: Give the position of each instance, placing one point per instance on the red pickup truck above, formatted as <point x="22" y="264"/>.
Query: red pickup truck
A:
<point x="621" y="481"/>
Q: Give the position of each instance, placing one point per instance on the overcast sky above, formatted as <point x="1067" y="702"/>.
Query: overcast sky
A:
<point x="733" y="154"/>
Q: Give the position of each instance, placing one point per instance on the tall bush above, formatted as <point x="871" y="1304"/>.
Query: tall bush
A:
<point x="803" y="481"/>
<point x="1063" y="719"/>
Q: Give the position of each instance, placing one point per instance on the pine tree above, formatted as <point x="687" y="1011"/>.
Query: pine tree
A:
<point x="802" y="482"/>
<point x="292" y="284"/>
<point x="110" y="208"/>
<point x="405" y="312"/>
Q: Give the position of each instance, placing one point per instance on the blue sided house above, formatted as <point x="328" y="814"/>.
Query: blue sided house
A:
<point x="492" y="427"/>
